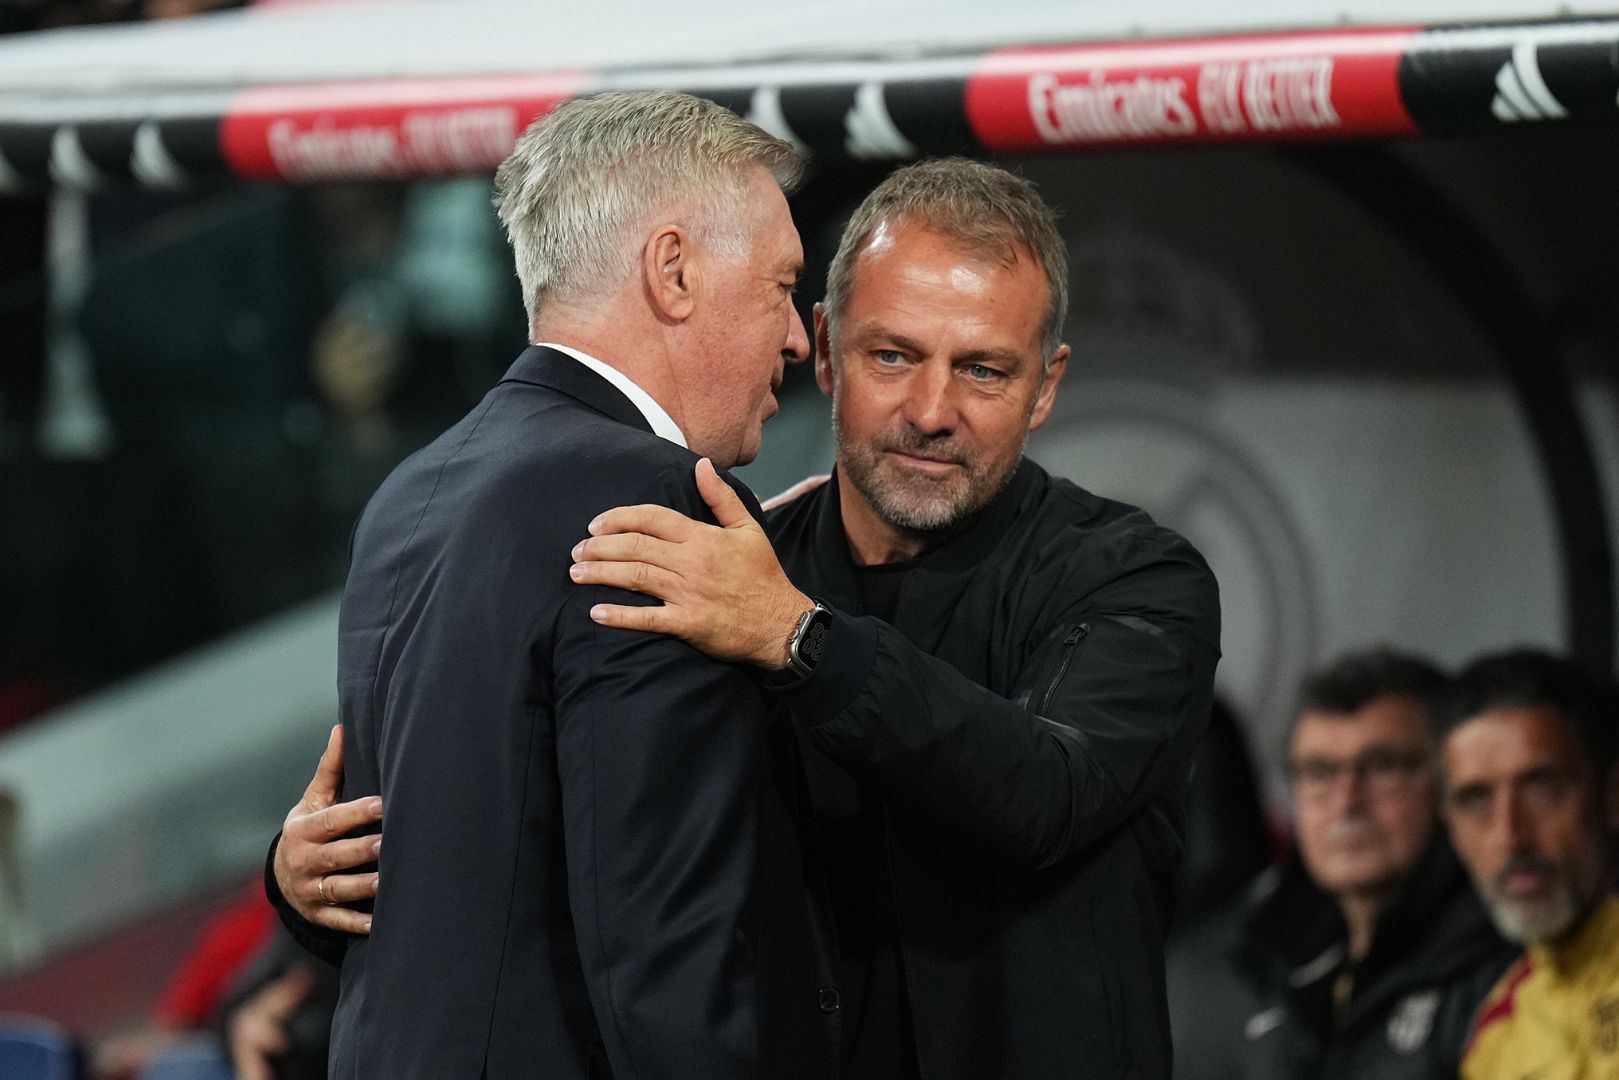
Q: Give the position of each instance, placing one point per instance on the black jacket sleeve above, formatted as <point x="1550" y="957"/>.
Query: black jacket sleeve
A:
<point x="319" y="942"/>
<point x="1118" y="692"/>
<point x="659" y="754"/>
<point x="662" y="768"/>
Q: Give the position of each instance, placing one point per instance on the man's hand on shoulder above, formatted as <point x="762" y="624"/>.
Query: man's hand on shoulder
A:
<point x="312" y="849"/>
<point x="723" y="590"/>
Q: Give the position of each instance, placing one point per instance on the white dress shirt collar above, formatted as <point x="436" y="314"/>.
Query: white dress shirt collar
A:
<point x="663" y="425"/>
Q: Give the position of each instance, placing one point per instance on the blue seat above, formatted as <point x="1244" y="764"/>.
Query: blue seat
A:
<point x="195" y="1059"/>
<point x="35" y="1049"/>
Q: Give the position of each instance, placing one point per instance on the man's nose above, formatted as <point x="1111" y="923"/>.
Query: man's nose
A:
<point x="930" y="403"/>
<point x="1347" y="794"/>
<point x="1514" y="824"/>
<point x="796" y="348"/>
<point x="1504" y="834"/>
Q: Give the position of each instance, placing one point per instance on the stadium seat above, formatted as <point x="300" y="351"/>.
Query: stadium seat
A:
<point x="35" y="1049"/>
<point x="196" y="1059"/>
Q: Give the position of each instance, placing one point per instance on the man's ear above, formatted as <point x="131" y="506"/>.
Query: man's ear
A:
<point x="671" y="270"/>
<point x="1046" y="396"/>
<point x="823" y="351"/>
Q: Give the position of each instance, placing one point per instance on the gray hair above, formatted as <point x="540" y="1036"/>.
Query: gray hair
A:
<point x="989" y="212"/>
<point x="586" y="175"/>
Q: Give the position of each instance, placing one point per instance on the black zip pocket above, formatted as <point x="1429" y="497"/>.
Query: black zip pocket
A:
<point x="1069" y="644"/>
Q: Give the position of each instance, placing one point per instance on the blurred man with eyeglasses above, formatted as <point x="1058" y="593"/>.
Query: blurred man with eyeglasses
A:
<point x="1367" y="955"/>
<point x="1531" y="764"/>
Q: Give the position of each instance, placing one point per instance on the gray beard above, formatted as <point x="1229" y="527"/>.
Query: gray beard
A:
<point x="916" y="505"/>
<point x="1547" y="922"/>
<point x="1570" y="903"/>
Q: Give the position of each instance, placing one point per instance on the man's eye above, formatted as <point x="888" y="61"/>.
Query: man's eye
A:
<point x="1545" y="788"/>
<point x="981" y="373"/>
<point x="888" y="356"/>
<point x="1317" y="773"/>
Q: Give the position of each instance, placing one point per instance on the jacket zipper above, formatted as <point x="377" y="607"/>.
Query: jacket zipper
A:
<point x="1069" y="643"/>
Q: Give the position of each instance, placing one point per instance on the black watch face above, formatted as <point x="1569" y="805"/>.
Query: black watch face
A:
<point x="815" y="638"/>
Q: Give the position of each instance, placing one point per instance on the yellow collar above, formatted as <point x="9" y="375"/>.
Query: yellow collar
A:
<point x="1593" y="947"/>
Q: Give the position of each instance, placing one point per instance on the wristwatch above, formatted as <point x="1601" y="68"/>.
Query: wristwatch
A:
<point x="809" y="639"/>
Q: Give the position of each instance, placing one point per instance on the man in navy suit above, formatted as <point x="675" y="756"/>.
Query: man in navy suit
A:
<point x="624" y="809"/>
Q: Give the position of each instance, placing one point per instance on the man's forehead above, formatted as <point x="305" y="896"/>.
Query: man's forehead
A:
<point x="894" y="241"/>
<point x="787" y="251"/>
<point x="926" y="285"/>
<point x="1507" y="741"/>
<point x="882" y="239"/>
<point x="1387" y="719"/>
<point x="773" y="227"/>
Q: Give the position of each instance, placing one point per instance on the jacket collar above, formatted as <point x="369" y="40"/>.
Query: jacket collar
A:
<point x="539" y="366"/>
<point x="965" y="551"/>
<point x="1290" y="918"/>
<point x="1434" y="924"/>
<point x="1589" y="950"/>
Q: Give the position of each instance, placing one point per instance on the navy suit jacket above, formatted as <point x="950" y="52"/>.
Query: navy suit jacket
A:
<point x="594" y="864"/>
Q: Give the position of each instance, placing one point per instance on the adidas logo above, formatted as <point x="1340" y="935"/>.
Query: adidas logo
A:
<point x="1520" y="92"/>
<point x="872" y="135"/>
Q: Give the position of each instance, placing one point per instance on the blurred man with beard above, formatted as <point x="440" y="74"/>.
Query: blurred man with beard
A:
<point x="1532" y="802"/>
<point x="1367" y="956"/>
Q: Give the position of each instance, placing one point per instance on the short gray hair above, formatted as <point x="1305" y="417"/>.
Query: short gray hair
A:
<point x="587" y="173"/>
<point x="989" y="212"/>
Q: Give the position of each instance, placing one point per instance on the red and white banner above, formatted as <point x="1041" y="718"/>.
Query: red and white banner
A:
<point x="1282" y="86"/>
<point x="1257" y="88"/>
<point x="385" y="129"/>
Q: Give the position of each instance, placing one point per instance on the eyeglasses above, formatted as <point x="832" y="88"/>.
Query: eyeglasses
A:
<point x="1384" y="770"/>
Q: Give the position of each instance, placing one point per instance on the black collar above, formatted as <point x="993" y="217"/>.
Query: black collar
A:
<point x="965" y="551"/>
<point x="539" y="366"/>
<point x="1299" y="920"/>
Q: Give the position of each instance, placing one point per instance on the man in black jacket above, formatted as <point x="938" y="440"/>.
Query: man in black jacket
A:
<point x="1367" y="956"/>
<point x="623" y="810"/>
<point x="1002" y="677"/>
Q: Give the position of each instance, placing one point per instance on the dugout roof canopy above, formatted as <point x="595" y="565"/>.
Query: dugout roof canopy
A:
<point x="379" y="89"/>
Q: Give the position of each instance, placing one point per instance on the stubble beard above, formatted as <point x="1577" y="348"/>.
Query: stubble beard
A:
<point x="1576" y="885"/>
<point x="912" y="502"/>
